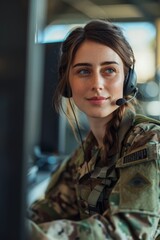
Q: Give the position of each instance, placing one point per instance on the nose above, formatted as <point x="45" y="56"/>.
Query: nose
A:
<point x="97" y="82"/>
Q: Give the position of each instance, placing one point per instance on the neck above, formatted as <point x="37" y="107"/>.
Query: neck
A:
<point x="98" y="127"/>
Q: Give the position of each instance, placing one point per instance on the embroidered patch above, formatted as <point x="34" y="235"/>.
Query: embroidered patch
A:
<point x="136" y="156"/>
<point x="150" y="152"/>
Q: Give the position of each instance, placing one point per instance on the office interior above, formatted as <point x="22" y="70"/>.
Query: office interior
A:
<point x="34" y="138"/>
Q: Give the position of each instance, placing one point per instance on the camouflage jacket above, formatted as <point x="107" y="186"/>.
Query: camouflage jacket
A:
<point x="86" y="199"/>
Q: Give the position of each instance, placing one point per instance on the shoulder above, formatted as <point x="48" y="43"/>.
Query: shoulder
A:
<point x="144" y="131"/>
<point x="146" y="124"/>
<point x="141" y="145"/>
<point x="145" y="128"/>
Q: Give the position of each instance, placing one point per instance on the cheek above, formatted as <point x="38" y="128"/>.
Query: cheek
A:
<point x="77" y="88"/>
<point x="78" y="93"/>
<point x="75" y="91"/>
<point x="116" y="89"/>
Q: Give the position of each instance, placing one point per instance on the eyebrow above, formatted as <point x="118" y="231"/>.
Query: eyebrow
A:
<point x="89" y="64"/>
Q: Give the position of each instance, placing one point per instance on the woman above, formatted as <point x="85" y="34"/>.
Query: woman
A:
<point x="109" y="187"/>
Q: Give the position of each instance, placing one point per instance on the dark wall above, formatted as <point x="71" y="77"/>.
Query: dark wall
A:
<point x="13" y="35"/>
<point x="50" y="119"/>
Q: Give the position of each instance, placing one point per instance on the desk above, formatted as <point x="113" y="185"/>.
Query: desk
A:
<point x="37" y="188"/>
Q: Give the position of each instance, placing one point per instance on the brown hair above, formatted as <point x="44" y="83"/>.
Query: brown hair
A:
<point x="108" y="34"/>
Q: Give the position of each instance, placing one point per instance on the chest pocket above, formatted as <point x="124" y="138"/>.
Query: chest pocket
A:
<point x="139" y="180"/>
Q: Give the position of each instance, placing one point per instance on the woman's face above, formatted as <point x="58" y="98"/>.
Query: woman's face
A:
<point x="96" y="79"/>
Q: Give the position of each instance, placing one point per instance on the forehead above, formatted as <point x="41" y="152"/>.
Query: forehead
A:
<point x="90" y="51"/>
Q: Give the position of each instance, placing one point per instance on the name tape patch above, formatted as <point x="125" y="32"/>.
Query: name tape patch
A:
<point x="139" y="155"/>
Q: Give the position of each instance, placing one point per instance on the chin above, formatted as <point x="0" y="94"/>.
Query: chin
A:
<point x="100" y="114"/>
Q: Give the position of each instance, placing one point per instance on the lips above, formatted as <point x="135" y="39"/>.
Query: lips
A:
<point x="97" y="98"/>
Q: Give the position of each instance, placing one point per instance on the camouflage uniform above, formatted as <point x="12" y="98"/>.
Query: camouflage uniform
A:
<point x="89" y="200"/>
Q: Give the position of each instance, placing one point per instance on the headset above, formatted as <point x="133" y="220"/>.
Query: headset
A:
<point x="130" y="82"/>
<point x="130" y="87"/>
<point x="67" y="92"/>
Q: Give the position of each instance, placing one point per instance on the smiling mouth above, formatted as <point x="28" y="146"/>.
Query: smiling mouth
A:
<point x="97" y="100"/>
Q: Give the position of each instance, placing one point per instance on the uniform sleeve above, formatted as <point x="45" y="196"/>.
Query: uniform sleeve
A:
<point x="60" y="198"/>
<point x="134" y="210"/>
<point x="135" y="200"/>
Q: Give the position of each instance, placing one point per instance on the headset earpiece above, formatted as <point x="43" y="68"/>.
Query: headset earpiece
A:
<point x="130" y="83"/>
<point x="67" y="93"/>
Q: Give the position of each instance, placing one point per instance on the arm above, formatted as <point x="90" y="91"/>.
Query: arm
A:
<point x="60" y="197"/>
<point x="134" y="201"/>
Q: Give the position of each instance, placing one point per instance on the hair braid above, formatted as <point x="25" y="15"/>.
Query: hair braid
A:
<point x="110" y="139"/>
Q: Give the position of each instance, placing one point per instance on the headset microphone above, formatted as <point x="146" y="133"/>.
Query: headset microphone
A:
<point x="122" y="101"/>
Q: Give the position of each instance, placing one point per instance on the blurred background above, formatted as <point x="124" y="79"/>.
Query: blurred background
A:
<point x="33" y="138"/>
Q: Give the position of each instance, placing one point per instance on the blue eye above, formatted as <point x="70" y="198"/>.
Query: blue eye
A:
<point x="83" y="72"/>
<point x="109" y="70"/>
